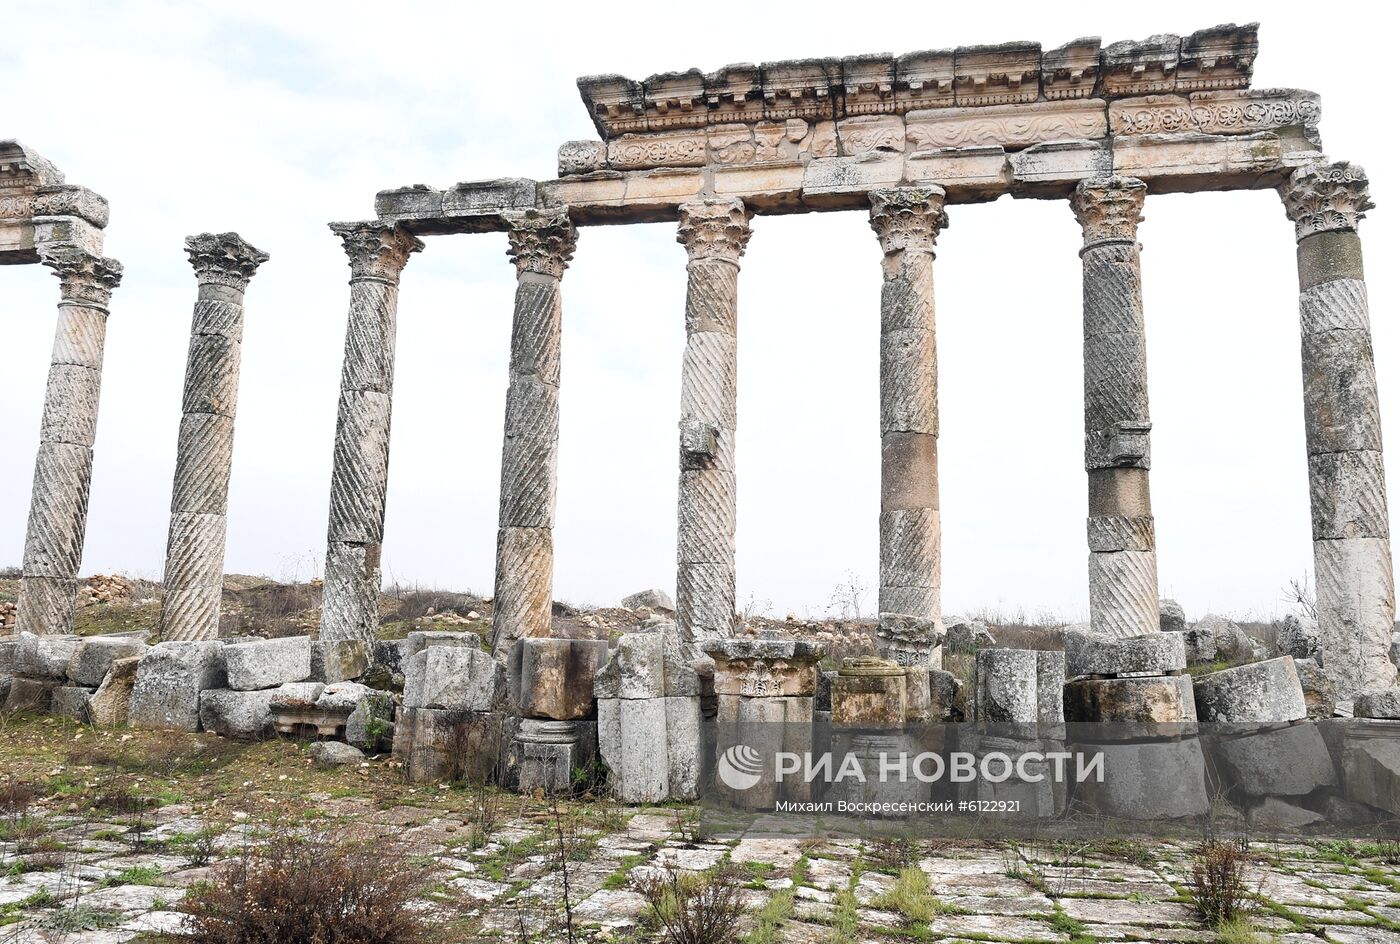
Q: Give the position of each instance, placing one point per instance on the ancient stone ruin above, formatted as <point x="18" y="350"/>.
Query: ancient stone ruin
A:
<point x="904" y="139"/>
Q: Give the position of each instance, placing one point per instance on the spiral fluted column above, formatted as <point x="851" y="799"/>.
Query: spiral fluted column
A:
<point x="714" y="233"/>
<point x="53" y="543"/>
<point x="1117" y="455"/>
<point x="541" y="244"/>
<point x="907" y="221"/>
<point x="1342" y="422"/>
<point x="194" y="559"/>
<point x="360" y="478"/>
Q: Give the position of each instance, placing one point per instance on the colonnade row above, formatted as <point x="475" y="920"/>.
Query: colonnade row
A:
<point x="1350" y="521"/>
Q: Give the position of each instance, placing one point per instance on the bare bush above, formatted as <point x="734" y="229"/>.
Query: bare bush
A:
<point x="1301" y="594"/>
<point x="695" y="908"/>
<point x="312" y="890"/>
<point x="1217" y="880"/>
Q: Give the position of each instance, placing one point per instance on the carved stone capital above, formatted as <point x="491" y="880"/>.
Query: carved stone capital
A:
<point x="714" y="229"/>
<point x="1109" y="208"/>
<point x="376" y="250"/>
<point x="223" y="259"/>
<point x="83" y="277"/>
<point x="541" y="241"/>
<point x="907" y="217"/>
<point x="1324" y="197"/>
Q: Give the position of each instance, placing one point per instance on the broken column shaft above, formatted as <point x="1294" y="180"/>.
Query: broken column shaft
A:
<point x="541" y="244"/>
<point x="194" y="561"/>
<point x="360" y="478"/>
<point x="714" y="233"/>
<point x="1342" y="422"/>
<point x="53" y="544"/>
<point x="1122" y="543"/>
<point x="907" y="221"/>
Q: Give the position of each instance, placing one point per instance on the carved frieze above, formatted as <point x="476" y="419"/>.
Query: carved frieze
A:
<point x="667" y="149"/>
<point x="65" y="200"/>
<point x="730" y="144"/>
<point x="1006" y="125"/>
<point x="1230" y="112"/>
<point x="868" y="134"/>
<point x="582" y="157"/>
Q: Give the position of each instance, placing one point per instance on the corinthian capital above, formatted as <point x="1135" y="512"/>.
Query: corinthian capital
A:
<point x="223" y="259"/>
<point x="1109" y="208"/>
<point x="83" y="277"/>
<point x="1323" y="197"/>
<point x="714" y="229"/>
<point x="907" y="217"/>
<point x="541" y="241"/>
<point x="376" y="250"/>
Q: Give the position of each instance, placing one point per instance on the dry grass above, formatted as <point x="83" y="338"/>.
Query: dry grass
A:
<point x="1217" y="881"/>
<point x="692" y="908"/>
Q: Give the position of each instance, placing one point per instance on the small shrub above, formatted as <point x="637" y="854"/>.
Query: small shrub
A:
<point x="892" y="853"/>
<point x="695" y="908"/>
<point x="310" y="890"/>
<point x="1217" y="881"/>
<point x="80" y="916"/>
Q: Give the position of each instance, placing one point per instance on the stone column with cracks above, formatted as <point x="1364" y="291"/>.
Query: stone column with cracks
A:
<point x="714" y="233"/>
<point x="194" y="560"/>
<point x="53" y="544"/>
<point x="360" y="478"/>
<point x="1341" y="418"/>
<point x="907" y="221"/>
<point x="541" y="244"/>
<point x="1122" y="543"/>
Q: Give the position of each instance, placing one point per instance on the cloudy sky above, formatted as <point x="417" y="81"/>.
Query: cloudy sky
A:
<point x="272" y="119"/>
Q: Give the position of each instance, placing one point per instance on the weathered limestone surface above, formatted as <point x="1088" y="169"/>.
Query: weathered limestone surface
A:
<point x="649" y="734"/>
<point x="1259" y="693"/>
<point x="1134" y="787"/>
<point x="553" y="678"/>
<point x="194" y="562"/>
<point x="39" y="210"/>
<point x="360" y="477"/>
<point x="45" y="657"/>
<point x="53" y="544"/>
<point x="907" y="222"/>
<point x="1288" y="761"/>
<point x="1019" y="686"/>
<point x="1131" y="702"/>
<point x="436" y="744"/>
<point x="111" y="703"/>
<point x="1341" y="417"/>
<point x="267" y="663"/>
<point x="714" y="233"/>
<point x="1123" y="598"/>
<point x="869" y="692"/>
<point x="94" y="657"/>
<point x="1155" y="654"/>
<point x="236" y="714"/>
<point x="1381" y="703"/>
<point x="543" y="754"/>
<point x="456" y="678"/>
<point x="541" y="244"/>
<point x="168" y="682"/>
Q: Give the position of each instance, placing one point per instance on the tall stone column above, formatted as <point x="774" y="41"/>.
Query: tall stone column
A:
<point x="53" y="544"/>
<point x="1122" y="543"/>
<point x="194" y="559"/>
<point x="714" y="233"/>
<point x="541" y="244"/>
<point x="907" y="221"/>
<point x="1342" y="421"/>
<point x="360" y="478"/>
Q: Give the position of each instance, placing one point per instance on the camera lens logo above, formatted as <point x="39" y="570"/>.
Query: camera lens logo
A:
<point x="740" y="767"/>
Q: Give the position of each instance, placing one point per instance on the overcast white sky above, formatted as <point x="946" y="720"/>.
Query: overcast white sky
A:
<point x="273" y="118"/>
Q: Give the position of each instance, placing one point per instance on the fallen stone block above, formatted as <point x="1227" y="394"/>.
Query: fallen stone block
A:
<point x="1258" y="693"/>
<point x="1231" y="643"/>
<point x="647" y="665"/>
<point x="338" y="660"/>
<point x="1298" y="637"/>
<point x="1319" y="692"/>
<point x="297" y="694"/>
<point x="1379" y="703"/>
<point x="44" y="657"/>
<point x="553" y="678"/>
<point x="9" y="647"/>
<point x="1006" y="683"/>
<point x="1200" y="645"/>
<point x="1134" y="705"/>
<point x="1371" y="764"/>
<point x="1148" y="780"/>
<point x="267" y="663"/>
<point x="1153" y="654"/>
<point x="29" y="695"/>
<point x="967" y="636"/>
<point x="1280" y="816"/>
<point x="111" y="703"/>
<point x="1171" y="618"/>
<point x="390" y="655"/>
<point x="5" y="682"/>
<point x="869" y="692"/>
<point x="453" y="678"/>
<point x="236" y="714"/>
<point x="94" y="657"/>
<point x="328" y="754"/>
<point x="658" y="601"/>
<point x="344" y="696"/>
<point x="70" y="701"/>
<point x="651" y="747"/>
<point x="168" y="682"/>
<point x="370" y="726"/>
<point x="435" y="745"/>
<point x="421" y="639"/>
<point x="946" y="698"/>
<point x="1287" y="761"/>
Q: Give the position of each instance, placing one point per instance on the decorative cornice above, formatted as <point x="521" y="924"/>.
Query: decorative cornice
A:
<point x="1321" y="198"/>
<point x="714" y="229"/>
<point x="1109" y="208"/>
<point x="908" y="217"/>
<point x="376" y="250"/>
<point x="223" y="259"/>
<point x="83" y="277"/>
<point x="541" y="241"/>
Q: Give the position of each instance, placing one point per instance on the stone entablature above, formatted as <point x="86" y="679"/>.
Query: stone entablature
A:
<point x="1221" y="57"/>
<point x="38" y="209"/>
